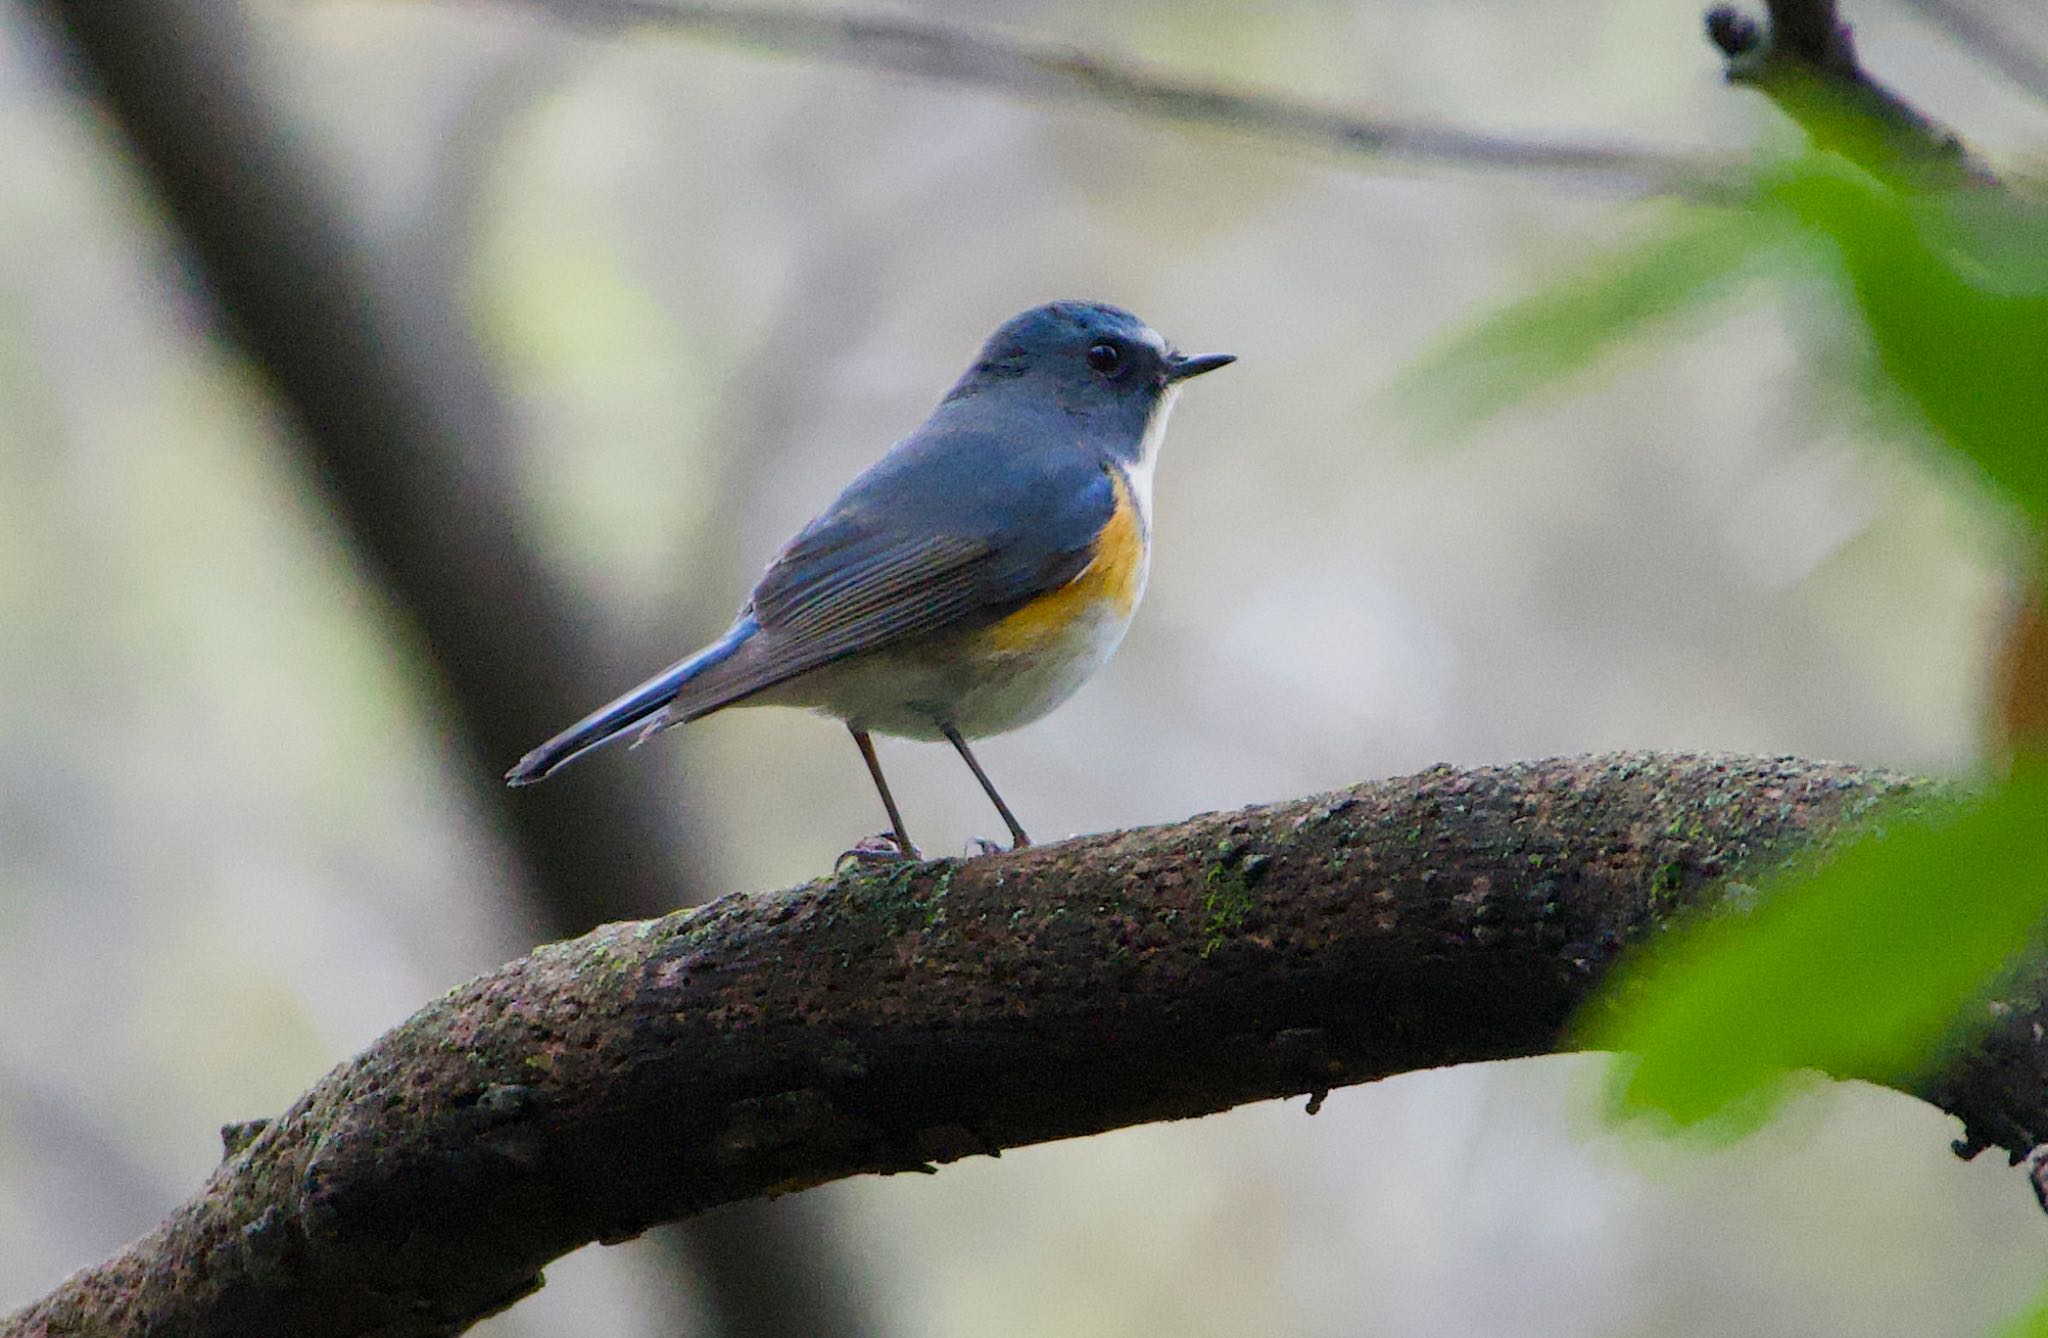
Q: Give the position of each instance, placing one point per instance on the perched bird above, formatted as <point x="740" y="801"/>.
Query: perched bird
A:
<point x="971" y="579"/>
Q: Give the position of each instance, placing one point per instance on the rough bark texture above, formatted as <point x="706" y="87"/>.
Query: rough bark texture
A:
<point x="890" y="1020"/>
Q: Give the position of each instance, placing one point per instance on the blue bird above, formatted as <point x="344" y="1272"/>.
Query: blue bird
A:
<point x="971" y="579"/>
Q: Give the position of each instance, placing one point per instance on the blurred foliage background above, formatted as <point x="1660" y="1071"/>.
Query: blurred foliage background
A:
<point x="235" y="845"/>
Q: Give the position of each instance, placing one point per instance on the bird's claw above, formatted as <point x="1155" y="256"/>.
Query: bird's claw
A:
<point x="872" y="851"/>
<point x="981" y="845"/>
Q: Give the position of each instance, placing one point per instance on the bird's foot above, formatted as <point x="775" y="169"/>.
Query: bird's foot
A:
<point x="981" y="845"/>
<point x="874" y="851"/>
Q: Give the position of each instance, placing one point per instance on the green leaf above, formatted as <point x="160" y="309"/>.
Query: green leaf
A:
<point x="1692" y="259"/>
<point x="1862" y="972"/>
<point x="2033" y="1323"/>
<point x="1872" y="968"/>
<point x="1954" y="289"/>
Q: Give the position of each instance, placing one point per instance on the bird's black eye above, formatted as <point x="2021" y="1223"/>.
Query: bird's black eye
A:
<point x="1105" y="358"/>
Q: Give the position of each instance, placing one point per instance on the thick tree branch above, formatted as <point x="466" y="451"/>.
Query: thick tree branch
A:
<point x="926" y="49"/>
<point x="889" y="1021"/>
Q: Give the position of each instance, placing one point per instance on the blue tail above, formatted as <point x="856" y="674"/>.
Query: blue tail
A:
<point x="618" y="718"/>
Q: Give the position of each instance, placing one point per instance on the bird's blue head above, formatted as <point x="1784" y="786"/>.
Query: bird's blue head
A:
<point x="1098" y="363"/>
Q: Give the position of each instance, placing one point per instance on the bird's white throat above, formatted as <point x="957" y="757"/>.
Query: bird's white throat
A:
<point x="1139" y="471"/>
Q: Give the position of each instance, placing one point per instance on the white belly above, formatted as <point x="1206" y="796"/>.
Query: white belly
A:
<point x="916" y="690"/>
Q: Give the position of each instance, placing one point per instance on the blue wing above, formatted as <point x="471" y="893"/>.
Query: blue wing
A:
<point x="950" y="530"/>
<point x="953" y="528"/>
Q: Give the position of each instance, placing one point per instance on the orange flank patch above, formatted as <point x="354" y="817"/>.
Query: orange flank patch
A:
<point x="1111" y="577"/>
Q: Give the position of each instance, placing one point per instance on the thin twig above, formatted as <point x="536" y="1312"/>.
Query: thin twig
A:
<point x="1803" y="57"/>
<point x="926" y="49"/>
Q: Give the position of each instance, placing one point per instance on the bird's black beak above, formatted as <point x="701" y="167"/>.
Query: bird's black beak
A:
<point x="1180" y="368"/>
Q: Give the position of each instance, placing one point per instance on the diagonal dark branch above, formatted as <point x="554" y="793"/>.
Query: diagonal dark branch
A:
<point x="398" y="418"/>
<point x="927" y="49"/>
<point x="884" y="1022"/>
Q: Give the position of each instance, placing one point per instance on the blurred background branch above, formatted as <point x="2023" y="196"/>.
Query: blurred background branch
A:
<point x="886" y="1021"/>
<point x="933" y="49"/>
<point x="398" y="417"/>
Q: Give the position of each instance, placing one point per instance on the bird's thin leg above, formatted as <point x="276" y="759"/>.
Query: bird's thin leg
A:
<point x="867" y="755"/>
<point x="1018" y="838"/>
